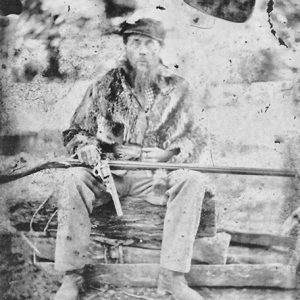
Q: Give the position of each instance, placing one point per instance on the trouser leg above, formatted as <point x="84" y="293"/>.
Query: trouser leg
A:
<point x="182" y="219"/>
<point x="185" y="192"/>
<point x="79" y="192"/>
<point x="81" y="189"/>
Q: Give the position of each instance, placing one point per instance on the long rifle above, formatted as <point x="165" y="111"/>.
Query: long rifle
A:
<point x="137" y="165"/>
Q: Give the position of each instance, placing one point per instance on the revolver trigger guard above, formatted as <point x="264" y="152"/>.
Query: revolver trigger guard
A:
<point x="97" y="171"/>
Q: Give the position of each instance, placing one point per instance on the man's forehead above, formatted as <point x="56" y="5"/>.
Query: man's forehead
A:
<point x="140" y="37"/>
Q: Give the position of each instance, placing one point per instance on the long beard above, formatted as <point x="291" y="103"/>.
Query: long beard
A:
<point x="145" y="77"/>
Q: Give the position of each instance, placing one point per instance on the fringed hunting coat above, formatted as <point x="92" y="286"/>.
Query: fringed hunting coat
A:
<point x="112" y="113"/>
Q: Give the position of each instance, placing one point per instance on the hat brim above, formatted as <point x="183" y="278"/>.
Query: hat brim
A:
<point x="131" y="32"/>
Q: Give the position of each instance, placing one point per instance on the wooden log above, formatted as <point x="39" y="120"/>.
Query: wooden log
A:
<point x="257" y="239"/>
<point x="143" y="221"/>
<point x="5" y="261"/>
<point x="206" y="250"/>
<point x="145" y="275"/>
<point x="255" y="255"/>
<point x="212" y="250"/>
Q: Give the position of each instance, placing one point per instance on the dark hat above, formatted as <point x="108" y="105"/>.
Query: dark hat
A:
<point x="148" y="27"/>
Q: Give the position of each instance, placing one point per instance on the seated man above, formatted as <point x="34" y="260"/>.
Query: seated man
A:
<point x="137" y="111"/>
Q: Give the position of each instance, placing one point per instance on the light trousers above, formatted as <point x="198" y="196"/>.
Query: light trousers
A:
<point x="81" y="191"/>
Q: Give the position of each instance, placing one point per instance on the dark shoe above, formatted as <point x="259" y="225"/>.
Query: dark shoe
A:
<point x="71" y="286"/>
<point x="175" y="284"/>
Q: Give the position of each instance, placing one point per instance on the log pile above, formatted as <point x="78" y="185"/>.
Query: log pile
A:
<point x="143" y="222"/>
<point x="126" y="250"/>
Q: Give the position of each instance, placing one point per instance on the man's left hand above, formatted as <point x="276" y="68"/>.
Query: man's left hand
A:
<point x="154" y="154"/>
<point x="127" y="152"/>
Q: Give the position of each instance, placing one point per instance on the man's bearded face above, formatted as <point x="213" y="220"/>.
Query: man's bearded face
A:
<point x="143" y="53"/>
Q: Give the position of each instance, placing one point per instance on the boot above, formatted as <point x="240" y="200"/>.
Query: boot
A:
<point x="175" y="284"/>
<point x="71" y="286"/>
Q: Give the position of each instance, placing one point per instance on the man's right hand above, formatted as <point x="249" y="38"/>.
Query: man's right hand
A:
<point x="89" y="155"/>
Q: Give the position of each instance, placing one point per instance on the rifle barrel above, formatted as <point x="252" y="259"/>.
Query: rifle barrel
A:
<point x="137" y="165"/>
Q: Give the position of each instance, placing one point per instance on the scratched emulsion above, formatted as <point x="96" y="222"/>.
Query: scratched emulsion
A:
<point x="238" y="10"/>
<point x="119" y="8"/>
<point x="8" y="7"/>
<point x="269" y="10"/>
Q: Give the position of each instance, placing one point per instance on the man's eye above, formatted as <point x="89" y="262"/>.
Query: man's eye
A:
<point x="149" y="43"/>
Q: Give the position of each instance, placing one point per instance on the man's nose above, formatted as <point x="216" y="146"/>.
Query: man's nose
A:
<point x="143" y="50"/>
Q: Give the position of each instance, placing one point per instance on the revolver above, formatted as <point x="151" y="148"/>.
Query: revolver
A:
<point x="102" y="170"/>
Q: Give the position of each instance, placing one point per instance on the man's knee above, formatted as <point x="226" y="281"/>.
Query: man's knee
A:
<point x="73" y="180"/>
<point x="198" y="179"/>
<point x="78" y="174"/>
<point x="188" y="178"/>
<point x="194" y="177"/>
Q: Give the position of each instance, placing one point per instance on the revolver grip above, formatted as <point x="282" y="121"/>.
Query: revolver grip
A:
<point x="102" y="170"/>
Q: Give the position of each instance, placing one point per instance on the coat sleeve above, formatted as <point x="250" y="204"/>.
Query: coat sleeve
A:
<point x="83" y="125"/>
<point x="186" y="133"/>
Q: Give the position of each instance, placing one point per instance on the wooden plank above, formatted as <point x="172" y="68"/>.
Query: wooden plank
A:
<point x="212" y="250"/>
<point x="145" y="275"/>
<point x="256" y="255"/>
<point x="257" y="239"/>
<point x="206" y="250"/>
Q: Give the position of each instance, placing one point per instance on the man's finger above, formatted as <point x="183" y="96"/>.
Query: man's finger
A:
<point x="94" y="157"/>
<point x="147" y="149"/>
<point x="89" y="157"/>
<point x="83" y="157"/>
<point x="119" y="152"/>
<point x="150" y="160"/>
<point x="119" y="148"/>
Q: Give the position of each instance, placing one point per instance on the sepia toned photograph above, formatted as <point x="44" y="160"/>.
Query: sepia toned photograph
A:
<point x="149" y="149"/>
